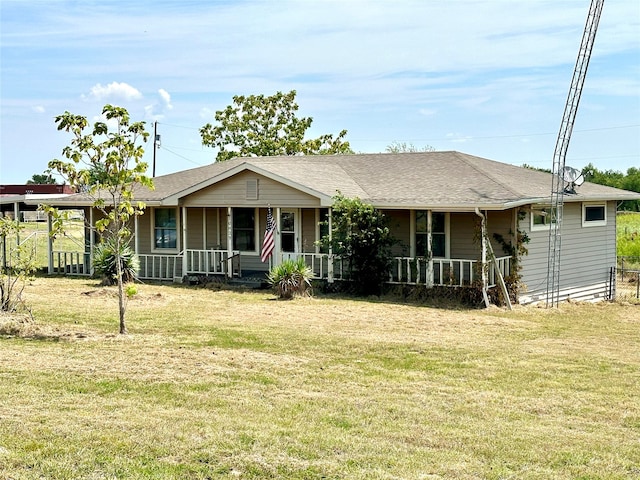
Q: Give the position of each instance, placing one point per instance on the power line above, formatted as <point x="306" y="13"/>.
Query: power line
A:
<point x="178" y="126"/>
<point x="469" y="137"/>
<point x="181" y="156"/>
<point x="538" y="134"/>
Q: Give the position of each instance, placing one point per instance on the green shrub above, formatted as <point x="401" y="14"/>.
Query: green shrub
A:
<point x="17" y="265"/>
<point x="291" y="278"/>
<point x="628" y="234"/>
<point x="104" y="262"/>
<point x="361" y="238"/>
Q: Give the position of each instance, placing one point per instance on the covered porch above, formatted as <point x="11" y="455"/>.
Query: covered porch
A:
<point x="434" y="248"/>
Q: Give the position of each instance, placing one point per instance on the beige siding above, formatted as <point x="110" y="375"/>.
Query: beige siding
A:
<point x="501" y="223"/>
<point x="462" y="233"/>
<point x="214" y="233"/>
<point x="587" y="254"/>
<point x="195" y="231"/>
<point x="144" y="231"/>
<point x="308" y="226"/>
<point x="400" y="226"/>
<point x="233" y="192"/>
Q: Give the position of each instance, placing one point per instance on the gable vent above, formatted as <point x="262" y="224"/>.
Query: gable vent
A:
<point x="252" y="189"/>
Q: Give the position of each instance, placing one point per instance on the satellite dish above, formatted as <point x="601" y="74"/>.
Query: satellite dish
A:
<point x="573" y="177"/>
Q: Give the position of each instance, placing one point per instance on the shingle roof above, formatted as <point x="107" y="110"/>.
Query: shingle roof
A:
<point x="451" y="180"/>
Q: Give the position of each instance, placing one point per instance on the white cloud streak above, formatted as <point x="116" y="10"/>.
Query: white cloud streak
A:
<point x="113" y="91"/>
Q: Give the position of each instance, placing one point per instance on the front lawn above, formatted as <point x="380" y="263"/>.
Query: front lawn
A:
<point x="224" y="384"/>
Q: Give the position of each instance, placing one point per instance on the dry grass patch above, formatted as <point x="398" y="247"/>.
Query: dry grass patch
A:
<point x="224" y="384"/>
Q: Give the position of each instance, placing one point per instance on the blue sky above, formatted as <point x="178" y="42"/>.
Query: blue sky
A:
<point x="488" y="78"/>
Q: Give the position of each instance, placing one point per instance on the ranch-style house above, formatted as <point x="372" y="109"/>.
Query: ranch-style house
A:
<point x="211" y="220"/>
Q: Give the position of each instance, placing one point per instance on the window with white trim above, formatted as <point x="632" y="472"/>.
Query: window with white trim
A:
<point x="438" y="234"/>
<point x="165" y="229"/>
<point x="244" y="229"/>
<point x="594" y="214"/>
<point x="541" y="216"/>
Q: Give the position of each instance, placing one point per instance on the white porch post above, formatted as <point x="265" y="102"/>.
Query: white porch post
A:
<point x="136" y="239"/>
<point x="412" y="233"/>
<point x="136" y="243"/>
<point x="92" y="239"/>
<point x="49" y="244"/>
<point x="16" y="217"/>
<point x="229" y="266"/>
<point x="429" y="275"/>
<point x="185" y="264"/>
<point x="218" y="233"/>
<point x="277" y="252"/>
<point x="204" y="228"/>
<point x="483" y="246"/>
<point x="330" y="272"/>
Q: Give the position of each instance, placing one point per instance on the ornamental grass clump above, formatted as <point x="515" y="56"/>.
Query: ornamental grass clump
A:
<point x="105" y="263"/>
<point x="291" y="278"/>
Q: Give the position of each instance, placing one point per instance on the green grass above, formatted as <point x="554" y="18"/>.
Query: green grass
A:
<point x="223" y="384"/>
<point x="35" y="236"/>
<point x="628" y="235"/>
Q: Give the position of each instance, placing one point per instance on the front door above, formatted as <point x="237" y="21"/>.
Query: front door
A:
<point x="288" y="231"/>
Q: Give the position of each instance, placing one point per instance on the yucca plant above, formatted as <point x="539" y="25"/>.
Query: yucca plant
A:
<point x="291" y="278"/>
<point x="104" y="262"/>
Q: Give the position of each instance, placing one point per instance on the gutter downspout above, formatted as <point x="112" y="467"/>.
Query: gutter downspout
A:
<point x="486" y="245"/>
<point x="483" y="246"/>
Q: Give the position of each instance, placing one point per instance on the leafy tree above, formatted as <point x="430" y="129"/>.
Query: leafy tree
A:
<point x="404" y="147"/>
<point x="361" y="237"/>
<point x="256" y="125"/>
<point x="18" y="265"/>
<point x="613" y="178"/>
<point x="109" y="148"/>
<point x="41" y="179"/>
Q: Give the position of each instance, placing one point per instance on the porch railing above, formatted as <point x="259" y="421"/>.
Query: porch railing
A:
<point x="445" y="271"/>
<point x="160" y="267"/>
<point x="410" y="270"/>
<point x="213" y="262"/>
<point x="71" y="263"/>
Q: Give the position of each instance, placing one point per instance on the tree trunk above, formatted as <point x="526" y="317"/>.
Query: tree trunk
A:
<point x="121" y="299"/>
<point x="122" y="306"/>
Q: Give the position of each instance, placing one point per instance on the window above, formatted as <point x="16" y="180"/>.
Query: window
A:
<point x="541" y="217"/>
<point x="323" y="229"/>
<point x="165" y="228"/>
<point x="244" y="229"/>
<point x="288" y="231"/>
<point x="438" y="234"/>
<point x="594" y="215"/>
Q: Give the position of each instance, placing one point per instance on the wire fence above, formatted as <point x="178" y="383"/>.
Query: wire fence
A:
<point x="629" y="276"/>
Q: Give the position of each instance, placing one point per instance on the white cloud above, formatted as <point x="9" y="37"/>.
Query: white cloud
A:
<point x="157" y="109"/>
<point x="207" y="114"/>
<point x="427" y="112"/>
<point x="38" y="109"/>
<point x="458" y="138"/>
<point x="166" y="98"/>
<point x="115" y="90"/>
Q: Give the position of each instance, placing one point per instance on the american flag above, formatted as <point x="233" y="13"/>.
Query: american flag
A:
<point x="269" y="237"/>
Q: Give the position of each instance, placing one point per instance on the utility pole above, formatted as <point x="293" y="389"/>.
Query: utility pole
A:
<point x="156" y="144"/>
